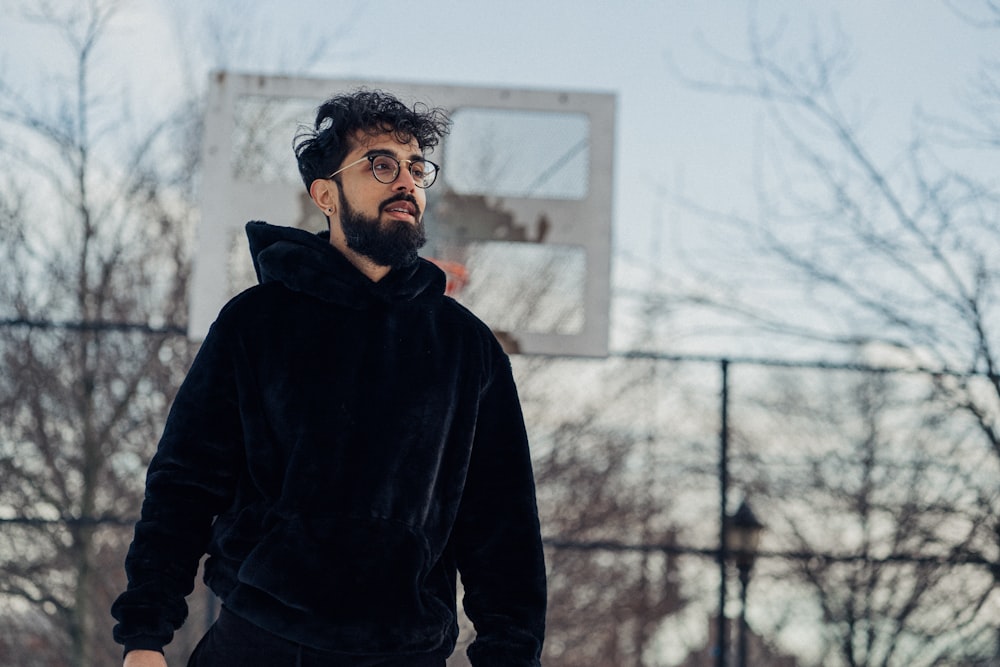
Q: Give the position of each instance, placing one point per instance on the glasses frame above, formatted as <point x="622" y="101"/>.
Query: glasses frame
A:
<point x="399" y="168"/>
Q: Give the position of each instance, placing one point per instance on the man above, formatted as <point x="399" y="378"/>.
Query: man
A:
<point x="347" y="440"/>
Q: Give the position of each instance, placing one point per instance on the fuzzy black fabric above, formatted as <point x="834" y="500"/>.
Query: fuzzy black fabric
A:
<point x="341" y="448"/>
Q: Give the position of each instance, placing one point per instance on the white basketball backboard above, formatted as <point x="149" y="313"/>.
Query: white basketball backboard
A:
<point x="522" y="206"/>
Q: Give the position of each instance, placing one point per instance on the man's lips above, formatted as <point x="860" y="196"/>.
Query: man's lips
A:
<point x="401" y="208"/>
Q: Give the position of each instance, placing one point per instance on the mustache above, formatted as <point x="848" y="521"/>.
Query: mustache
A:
<point x="402" y="197"/>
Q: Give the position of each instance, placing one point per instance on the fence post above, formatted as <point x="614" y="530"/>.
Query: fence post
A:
<point x="721" y="644"/>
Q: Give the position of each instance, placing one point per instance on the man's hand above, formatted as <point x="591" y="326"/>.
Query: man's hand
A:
<point x="145" y="659"/>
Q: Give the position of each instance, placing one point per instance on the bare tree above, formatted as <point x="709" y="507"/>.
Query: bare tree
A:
<point x="612" y="543"/>
<point x="606" y="507"/>
<point x="882" y="510"/>
<point x="896" y="257"/>
<point x="96" y="213"/>
<point x="94" y="226"/>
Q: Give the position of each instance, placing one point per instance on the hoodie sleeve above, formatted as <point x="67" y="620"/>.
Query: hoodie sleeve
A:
<point x="189" y="481"/>
<point x="499" y="546"/>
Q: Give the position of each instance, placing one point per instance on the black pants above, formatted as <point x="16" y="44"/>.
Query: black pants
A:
<point x="233" y="642"/>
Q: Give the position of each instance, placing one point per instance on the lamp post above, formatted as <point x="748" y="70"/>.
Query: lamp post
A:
<point x="743" y="532"/>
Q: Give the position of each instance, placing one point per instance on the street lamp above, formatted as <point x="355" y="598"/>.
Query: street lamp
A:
<point x="743" y="532"/>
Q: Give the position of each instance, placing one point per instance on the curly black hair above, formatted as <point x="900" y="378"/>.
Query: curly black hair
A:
<point x="321" y="149"/>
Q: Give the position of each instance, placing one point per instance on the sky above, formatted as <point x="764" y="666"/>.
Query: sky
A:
<point x="670" y="140"/>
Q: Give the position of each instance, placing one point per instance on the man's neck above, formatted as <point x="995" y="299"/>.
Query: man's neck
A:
<point x="374" y="272"/>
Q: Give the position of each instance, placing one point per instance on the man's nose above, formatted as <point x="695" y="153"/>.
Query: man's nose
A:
<point x="405" y="181"/>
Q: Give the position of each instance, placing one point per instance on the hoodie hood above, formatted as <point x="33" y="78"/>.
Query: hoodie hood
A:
<point x="307" y="263"/>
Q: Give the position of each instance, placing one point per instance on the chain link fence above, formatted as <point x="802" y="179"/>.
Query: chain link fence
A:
<point x="877" y="489"/>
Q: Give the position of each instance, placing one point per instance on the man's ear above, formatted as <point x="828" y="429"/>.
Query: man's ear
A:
<point x="324" y="195"/>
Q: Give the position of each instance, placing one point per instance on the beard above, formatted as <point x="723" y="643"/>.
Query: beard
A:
<point x="394" y="243"/>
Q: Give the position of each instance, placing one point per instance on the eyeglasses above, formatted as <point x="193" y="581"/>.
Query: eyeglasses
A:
<point x="385" y="169"/>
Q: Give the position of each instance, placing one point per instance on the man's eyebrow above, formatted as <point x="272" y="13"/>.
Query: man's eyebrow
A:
<point x="393" y="154"/>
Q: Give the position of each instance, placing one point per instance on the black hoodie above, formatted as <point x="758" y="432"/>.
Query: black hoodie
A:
<point x="340" y="448"/>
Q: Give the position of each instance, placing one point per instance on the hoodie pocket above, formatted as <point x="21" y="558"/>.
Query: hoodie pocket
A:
<point x="351" y="571"/>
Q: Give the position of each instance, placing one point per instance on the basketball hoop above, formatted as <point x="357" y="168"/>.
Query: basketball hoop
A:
<point x="456" y="274"/>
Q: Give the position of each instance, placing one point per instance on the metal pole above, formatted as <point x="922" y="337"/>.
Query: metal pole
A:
<point x="720" y="647"/>
<point x="744" y="582"/>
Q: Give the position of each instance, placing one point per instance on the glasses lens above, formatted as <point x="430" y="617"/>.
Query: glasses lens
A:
<point x="385" y="168"/>
<point x="423" y="173"/>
